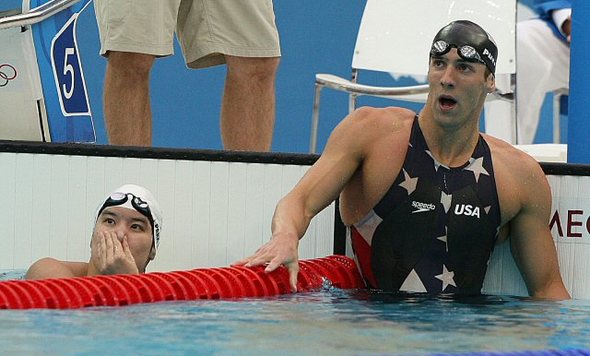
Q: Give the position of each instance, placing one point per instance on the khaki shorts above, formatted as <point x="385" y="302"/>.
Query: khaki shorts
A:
<point x="206" y="29"/>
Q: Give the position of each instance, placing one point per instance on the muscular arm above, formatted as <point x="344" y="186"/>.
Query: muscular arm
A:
<point x="343" y="156"/>
<point x="324" y="181"/>
<point x="531" y="241"/>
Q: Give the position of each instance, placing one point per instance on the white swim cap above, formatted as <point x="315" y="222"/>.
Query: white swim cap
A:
<point x="141" y="201"/>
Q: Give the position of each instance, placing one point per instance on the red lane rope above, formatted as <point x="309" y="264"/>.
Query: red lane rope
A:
<point x="203" y="283"/>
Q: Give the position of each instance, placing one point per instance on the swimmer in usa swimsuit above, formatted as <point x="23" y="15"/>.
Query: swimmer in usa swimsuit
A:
<point x="435" y="228"/>
<point x="427" y="197"/>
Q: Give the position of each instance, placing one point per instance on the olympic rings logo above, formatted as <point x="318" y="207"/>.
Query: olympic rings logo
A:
<point x="7" y="73"/>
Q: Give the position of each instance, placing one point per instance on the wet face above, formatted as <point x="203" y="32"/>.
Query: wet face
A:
<point x="130" y="223"/>
<point x="458" y="88"/>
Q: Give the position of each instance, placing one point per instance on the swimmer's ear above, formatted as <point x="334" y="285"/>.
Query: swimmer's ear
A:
<point x="491" y="83"/>
<point x="151" y="256"/>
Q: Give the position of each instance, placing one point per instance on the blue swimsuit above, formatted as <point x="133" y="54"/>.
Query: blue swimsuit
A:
<point x="435" y="228"/>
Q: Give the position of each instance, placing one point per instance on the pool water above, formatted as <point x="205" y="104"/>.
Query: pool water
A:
<point x="10" y="274"/>
<point x="327" y="322"/>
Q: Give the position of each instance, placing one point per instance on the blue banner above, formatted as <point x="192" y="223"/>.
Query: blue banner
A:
<point x="71" y="89"/>
<point x="64" y="88"/>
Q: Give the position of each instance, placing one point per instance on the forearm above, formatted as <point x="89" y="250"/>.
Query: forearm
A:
<point x="537" y="262"/>
<point x="553" y="290"/>
<point x="290" y="219"/>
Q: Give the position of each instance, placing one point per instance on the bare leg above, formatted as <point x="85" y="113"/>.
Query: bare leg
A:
<point x="248" y="108"/>
<point x="127" y="110"/>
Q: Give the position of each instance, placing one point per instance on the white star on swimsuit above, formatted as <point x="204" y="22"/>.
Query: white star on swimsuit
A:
<point x="447" y="278"/>
<point x="437" y="164"/>
<point x="444" y="239"/>
<point x="476" y="166"/>
<point x="409" y="183"/>
<point x="445" y="200"/>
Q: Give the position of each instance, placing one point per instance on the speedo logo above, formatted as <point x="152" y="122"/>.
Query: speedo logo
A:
<point x="422" y="207"/>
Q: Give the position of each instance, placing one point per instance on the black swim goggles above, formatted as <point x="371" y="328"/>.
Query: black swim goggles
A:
<point x="467" y="52"/>
<point x="138" y="204"/>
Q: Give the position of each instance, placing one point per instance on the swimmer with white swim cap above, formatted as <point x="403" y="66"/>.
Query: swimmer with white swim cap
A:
<point x="125" y="238"/>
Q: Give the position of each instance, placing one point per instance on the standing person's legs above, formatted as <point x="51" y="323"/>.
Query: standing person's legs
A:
<point x="243" y="34"/>
<point x="248" y="106"/>
<point x="542" y="66"/>
<point x="132" y="33"/>
<point x="127" y="109"/>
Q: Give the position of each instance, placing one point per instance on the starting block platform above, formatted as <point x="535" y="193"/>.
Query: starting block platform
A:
<point x="42" y="88"/>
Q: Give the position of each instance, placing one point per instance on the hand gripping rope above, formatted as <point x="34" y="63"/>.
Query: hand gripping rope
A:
<point x="202" y="283"/>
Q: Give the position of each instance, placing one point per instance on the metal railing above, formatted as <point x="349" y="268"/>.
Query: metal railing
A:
<point x="36" y="14"/>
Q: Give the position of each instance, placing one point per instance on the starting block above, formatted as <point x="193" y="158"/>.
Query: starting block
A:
<point x="43" y="94"/>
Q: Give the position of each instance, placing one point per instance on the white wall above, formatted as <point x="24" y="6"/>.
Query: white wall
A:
<point x="570" y="227"/>
<point x="218" y="212"/>
<point x="214" y="212"/>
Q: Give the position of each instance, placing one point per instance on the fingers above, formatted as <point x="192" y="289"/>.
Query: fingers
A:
<point x="95" y="245"/>
<point x="280" y="250"/>
<point x="241" y="262"/>
<point x="251" y="261"/>
<point x="258" y="261"/>
<point x="95" y="240"/>
<point x="274" y="264"/>
<point x="260" y="257"/>
<point x="99" y="251"/>
<point x="131" y="267"/>
<point x="293" y="272"/>
<point x="126" y="249"/>
<point x="270" y="254"/>
<point x="108" y="246"/>
<point x="114" y="244"/>
<point x="292" y="267"/>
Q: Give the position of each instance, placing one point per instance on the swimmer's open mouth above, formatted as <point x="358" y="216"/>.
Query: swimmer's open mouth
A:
<point x="447" y="102"/>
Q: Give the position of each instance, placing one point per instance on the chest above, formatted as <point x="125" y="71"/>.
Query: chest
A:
<point x="374" y="187"/>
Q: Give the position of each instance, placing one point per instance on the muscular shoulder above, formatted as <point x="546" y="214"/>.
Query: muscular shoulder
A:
<point x="380" y="139"/>
<point x="51" y="268"/>
<point x="394" y="117"/>
<point x="516" y="162"/>
<point x="373" y="123"/>
<point x="366" y="129"/>
<point x="520" y="181"/>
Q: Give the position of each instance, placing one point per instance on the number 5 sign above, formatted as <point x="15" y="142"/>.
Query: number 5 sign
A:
<point x="67" y="70"/>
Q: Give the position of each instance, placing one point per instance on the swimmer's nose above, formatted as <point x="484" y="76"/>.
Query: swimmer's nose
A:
<point x="120" y="232"/>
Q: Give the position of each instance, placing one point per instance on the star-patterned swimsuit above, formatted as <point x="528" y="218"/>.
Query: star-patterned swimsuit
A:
<point x="435" y="228"/>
